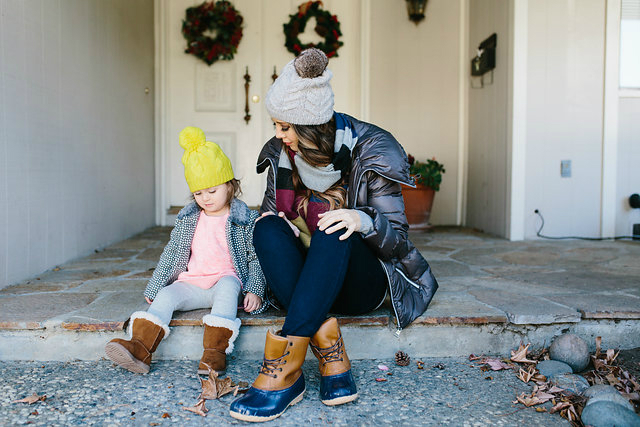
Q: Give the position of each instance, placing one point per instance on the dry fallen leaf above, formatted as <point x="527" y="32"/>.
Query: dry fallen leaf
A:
<point x="31" y="399"/>
<point x="215" y="388"/>
<point x="520" y="355"/>
<point x="496" y="364"/>
<point x="198" y="408"/>
<point x="525" y="376"/>
<point x="166" y="415"/>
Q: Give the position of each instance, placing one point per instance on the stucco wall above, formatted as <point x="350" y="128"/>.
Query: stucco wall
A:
<point x="415" y="87"/>
<point x="76" y="129"/>
<point x="565" y="76"/>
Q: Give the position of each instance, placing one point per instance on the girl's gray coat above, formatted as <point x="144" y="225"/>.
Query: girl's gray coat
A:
<point x="378" y="167"/>
<point x="239" y="231"/>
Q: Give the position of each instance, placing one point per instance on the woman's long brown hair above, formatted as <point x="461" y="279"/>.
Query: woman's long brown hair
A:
<point x="315" y="146"/>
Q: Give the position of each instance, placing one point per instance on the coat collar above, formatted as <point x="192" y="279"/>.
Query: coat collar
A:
<point x="238" y="214"/>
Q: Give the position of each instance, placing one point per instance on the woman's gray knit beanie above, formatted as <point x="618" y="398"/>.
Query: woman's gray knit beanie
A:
<point x="302" y="95"/>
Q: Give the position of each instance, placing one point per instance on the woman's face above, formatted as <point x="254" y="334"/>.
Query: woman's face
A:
<point x="285" y="132"/>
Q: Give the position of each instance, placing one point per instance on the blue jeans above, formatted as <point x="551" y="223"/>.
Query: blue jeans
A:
<point x="338" y="276"/>
<point x="221" y="297"/>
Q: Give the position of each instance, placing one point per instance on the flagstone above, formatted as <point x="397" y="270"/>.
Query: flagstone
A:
<point x="526" y="309"/>
<point x="40" y="307"/>
<point x="601" y="306"/>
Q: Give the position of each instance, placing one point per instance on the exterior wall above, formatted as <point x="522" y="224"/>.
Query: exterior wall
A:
<point x="628" y="179"/>
<point x="76" y="129"/>
<point x="564" y="116"/>
<point x="415" y="87"/>
<point x="488" y="122"/>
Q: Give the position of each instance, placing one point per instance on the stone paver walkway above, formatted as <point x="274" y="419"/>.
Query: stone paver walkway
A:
<point x="493" y="293"/>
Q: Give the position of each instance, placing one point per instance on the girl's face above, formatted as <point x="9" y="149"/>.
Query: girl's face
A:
<point x="285" y="132"/>
<point x="213" y="200"/>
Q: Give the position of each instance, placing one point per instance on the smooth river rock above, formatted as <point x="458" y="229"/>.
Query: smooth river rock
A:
<point x="609" y="414"/>
<point x="550" y="368"/>
<point x="572" y="350"/>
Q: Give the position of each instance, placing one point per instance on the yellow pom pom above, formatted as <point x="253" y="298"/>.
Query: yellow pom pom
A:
<point x="191" y="138"/>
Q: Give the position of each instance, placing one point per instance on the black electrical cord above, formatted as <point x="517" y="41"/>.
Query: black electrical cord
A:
<point x="575" y="237"/>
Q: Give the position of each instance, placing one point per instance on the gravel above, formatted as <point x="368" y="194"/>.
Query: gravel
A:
<point x="448" y="391"/>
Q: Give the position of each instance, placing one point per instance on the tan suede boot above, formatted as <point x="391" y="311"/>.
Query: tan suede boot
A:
<point x="146" y="332"/>
<point x="280" y="382"/>
<point x="219" y="336"/>
<point x="337" y="385"/>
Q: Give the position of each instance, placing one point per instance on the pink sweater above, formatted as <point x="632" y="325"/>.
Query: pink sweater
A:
<point x="210" y="258"/>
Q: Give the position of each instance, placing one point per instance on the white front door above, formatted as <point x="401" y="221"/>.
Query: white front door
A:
<point x="213" y="98"/>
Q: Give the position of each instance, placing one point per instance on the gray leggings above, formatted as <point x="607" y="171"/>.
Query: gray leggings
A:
<point x="221" y="297"/>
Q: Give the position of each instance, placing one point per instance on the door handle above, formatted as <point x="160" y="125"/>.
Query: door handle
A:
<point x="247" y="80"/>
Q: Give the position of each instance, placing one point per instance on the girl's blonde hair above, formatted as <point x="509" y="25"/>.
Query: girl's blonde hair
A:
<point x="315" y="146"/>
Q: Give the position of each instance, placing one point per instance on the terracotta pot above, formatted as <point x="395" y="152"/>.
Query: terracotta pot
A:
<point x="417" y="205"/>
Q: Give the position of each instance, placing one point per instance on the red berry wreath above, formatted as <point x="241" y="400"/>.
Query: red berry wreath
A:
<point x="220" y="17"/>
<point x="327" y="26"/>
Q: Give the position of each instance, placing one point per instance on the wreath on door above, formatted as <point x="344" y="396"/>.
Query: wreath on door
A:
<point x="327" y="26"/>
<point x="223" y="20"/>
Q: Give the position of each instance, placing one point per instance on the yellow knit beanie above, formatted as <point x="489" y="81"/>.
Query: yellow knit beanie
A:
<point x="205" y="164"/>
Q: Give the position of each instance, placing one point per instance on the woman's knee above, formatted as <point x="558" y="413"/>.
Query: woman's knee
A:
<point x="265" y="226"/>
<point x="333" y="238"/>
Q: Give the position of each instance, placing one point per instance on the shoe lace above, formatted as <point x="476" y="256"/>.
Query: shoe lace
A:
<point x="331" y="354"/>
<point x="269" y="366"/>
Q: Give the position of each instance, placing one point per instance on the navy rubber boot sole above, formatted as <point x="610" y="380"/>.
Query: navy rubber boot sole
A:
<point x="265" y="405"/>
<point x="338" y="389"/>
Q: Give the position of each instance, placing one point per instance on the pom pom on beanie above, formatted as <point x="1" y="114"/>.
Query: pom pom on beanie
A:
<point x="205" y="164"/>
<point x="311" y="63"/>
<point x="191" y="138"/>
<point x="302" y="94"/>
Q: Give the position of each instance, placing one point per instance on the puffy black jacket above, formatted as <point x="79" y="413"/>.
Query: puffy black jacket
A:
<point x="379" y="165"/>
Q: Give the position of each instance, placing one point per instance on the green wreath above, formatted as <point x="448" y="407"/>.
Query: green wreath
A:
<point x="220" y="17"/>
<point x="327" y="26"/>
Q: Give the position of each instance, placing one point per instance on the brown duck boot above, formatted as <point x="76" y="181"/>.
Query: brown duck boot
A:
<point x="280" y="382"/>
<point x="146" y="332"/>
<point x="219" y="335"/>
<point x="337" y="385"/>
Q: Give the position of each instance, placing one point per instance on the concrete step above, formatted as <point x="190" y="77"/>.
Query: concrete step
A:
<point x="494" y="294"/>
<point x="371" y="336"/>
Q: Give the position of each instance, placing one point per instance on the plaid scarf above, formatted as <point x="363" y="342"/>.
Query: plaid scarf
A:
<point x="318" y="179"/>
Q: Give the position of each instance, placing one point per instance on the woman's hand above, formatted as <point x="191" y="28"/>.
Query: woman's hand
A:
<point x="267" y="213"/>
<point x="295" y="229"/>
<point x="252" y="302"/>
<point x="340" y="218"/>
<point x="149" y="301"/>
<point x="281" y="215"/>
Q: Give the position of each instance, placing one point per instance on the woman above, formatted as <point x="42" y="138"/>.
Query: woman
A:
<point x="338" y="242"/>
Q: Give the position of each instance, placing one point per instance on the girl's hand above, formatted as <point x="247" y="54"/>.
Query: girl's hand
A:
<point x="252" y="302"/>
<point x="149" y="301"/>
<point x="295" y="229"/>
<point x="340" y="218"/>
<point x="267" y="213"/>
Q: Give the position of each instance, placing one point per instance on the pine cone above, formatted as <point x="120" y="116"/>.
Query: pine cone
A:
<point x="402" y="358"/>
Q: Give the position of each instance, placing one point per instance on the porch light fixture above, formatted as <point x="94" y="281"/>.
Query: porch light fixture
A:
<point x="416" y="8"/>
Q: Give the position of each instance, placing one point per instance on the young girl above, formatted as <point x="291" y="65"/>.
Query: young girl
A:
<point x="209" y="259"/>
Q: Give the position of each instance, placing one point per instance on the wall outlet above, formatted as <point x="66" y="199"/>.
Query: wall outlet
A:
<point x="636" y="231"/>
<point x="565" y="168"/>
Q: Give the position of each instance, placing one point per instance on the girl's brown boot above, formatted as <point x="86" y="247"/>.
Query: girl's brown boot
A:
<point x="219" y="336"/>
<point x="146" y="332"/>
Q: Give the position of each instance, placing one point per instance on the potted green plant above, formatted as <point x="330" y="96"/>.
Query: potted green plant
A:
<point x="419" y="201"/>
